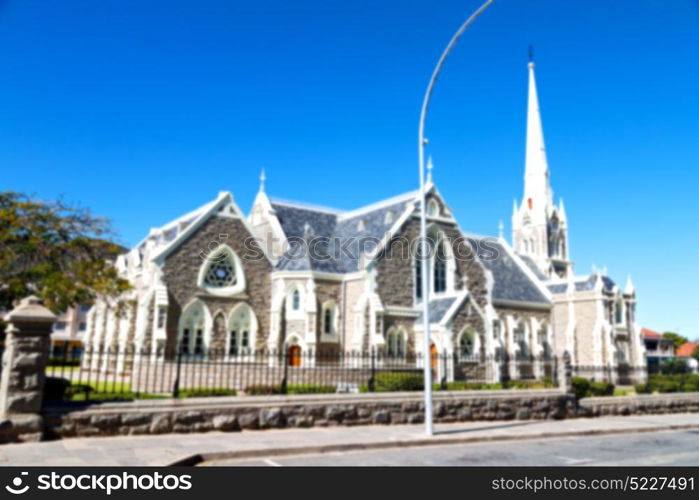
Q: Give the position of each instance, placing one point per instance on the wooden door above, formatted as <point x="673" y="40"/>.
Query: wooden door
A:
<point x="294" y="355"/>
<point x="434" y="360"/>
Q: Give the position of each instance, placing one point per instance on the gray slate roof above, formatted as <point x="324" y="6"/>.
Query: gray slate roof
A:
<point x="532" y="266"/>
<point x="438" y="308"/>
<point x="338" y="241"/>
<point x="511" y="281"/>
<point x="583" y="284"/>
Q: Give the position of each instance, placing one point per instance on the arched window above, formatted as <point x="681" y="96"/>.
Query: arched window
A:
<point x="433" y="208"/>
<point x="620" y="351"/>
<point x="440" y="269"/>
<point x="194" y="327"/>
<point x="467" y="343"/>
<point x="395" y="343"/>
<point x="221" y="273"/>
<point x="294" y="301"/>
<point x="520" y="338"/>
<point x="329" y="318"/>
<point x="242" y="329"/>
<point x="619" y="312"/>
<point x="418" y="278"/>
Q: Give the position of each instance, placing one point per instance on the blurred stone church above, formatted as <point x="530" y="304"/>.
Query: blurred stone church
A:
<point x="219" y="279"/>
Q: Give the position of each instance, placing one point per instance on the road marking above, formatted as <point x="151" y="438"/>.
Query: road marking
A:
<point x="272" y="463"/>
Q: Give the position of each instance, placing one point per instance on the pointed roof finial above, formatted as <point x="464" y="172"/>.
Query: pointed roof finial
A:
<point x="430" y="166"/>
<point x="629" y="288"/>
<point x="263" y="178"/>
<point x="501" y="229"/>
<point x="531" y="54"/>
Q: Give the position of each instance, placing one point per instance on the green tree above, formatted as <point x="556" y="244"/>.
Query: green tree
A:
<point x="56" y="251"/>
<point x="677" y="339"/>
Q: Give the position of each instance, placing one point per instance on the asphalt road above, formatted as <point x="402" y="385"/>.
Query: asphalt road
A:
<point x="657" y="448"/>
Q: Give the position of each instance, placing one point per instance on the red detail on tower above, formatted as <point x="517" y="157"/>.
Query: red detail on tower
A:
<point x="531" y="203"/>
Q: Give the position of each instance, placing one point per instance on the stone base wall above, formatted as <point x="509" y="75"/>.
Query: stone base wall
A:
<point x="236" y="413"/>
<point x="651" y="404"/>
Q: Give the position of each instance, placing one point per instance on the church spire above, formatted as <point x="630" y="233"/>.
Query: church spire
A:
<point x="263" y="178"/>
<point x="537" y="190"/>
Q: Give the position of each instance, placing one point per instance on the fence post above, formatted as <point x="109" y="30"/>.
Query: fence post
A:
<point x="24" y="371"/>
<point x="176" y="385"/>
<point x="565" y="373"/>
<point x="443" y="383"/>
<point x="285" y="379"/>
<point x="504" y="369"/>
<point x="372" y="378"/>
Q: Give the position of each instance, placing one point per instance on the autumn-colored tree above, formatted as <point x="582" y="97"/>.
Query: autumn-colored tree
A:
<point x="56" y="251"/>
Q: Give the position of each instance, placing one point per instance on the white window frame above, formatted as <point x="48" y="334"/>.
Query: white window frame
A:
<point x="203" y="324"/>
<point x="331" y="306"/>
<point x="244" y="353"/>
<point x="224" y="291"/>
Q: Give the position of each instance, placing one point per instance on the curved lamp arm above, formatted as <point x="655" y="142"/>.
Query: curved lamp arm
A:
<point x="427" y="355"/>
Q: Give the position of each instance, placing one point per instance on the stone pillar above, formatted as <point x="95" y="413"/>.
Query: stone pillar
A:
<point x="27" y="347"/>
<point x="565" y="373"/>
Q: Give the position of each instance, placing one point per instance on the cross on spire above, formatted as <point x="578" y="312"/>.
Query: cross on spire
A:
<point x="430" y="166"/>
<point x="263" y="178"/>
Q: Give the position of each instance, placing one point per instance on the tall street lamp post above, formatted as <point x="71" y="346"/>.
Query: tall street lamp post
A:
<point x="422" y="142"/>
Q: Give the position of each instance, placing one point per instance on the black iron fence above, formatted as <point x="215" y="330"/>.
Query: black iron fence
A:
<point x="104" y="373"/>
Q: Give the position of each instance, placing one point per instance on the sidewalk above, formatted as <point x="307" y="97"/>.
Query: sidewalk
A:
<point x="169" y="449"/>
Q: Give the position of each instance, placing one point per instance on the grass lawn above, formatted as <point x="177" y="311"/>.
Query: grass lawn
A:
<point x="121" y="391"/>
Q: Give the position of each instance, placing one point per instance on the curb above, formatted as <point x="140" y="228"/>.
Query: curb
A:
<point x="199" y="458"/>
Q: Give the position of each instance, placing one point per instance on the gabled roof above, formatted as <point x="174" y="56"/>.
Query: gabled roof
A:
<point x="650" y="334"/>
<point x="340" y="237"/>
<point x="513" y="281"/>
<point x="439" y="308"/>
<point x="686" y="349"/>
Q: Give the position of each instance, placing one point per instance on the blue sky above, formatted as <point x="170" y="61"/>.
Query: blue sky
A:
<point x="145" y="109"/>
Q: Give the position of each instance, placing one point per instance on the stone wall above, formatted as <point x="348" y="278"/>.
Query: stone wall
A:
<point x="236" y="413"/>
<point x="181" y="271"/>
<point x="395" y="277"/>
<point x="649" y="404"/>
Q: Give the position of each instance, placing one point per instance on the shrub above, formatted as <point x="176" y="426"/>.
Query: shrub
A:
<point x="268" y="390"/>
<point x="673" y="366"/>
<point x="643" y="388"/>
<point x="204" y="393"/>
<point x="601" y="389"/>
<point x="55" y="389"/>
<point x="581" y="387"/>
<point x="664" y="383"/>
<point x="262" y="390"/>
<point x="398" y="381"/>
<point x="310" y="389"/>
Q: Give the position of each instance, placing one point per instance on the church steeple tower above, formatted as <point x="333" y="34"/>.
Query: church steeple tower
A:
<point x="537" y="188"/>
<point x="539" y="228"/>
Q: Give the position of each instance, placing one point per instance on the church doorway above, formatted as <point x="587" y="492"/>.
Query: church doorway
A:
<point x="294" y="355"/>
<point x="434" y="360"/>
